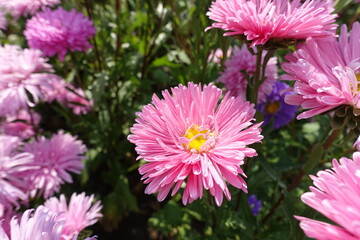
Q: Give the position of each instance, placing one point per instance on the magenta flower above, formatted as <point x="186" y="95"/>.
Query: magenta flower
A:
<point x="22" y="124"/>
<point x="189" y="138"/>
<point x="262" y="20"/>
<point x="235" y="81"/>
<point x="56" y="157"/>
<point x="23" y="73"/>
<point x="13" y="172"/>
<point x="38" y="225"/>
<point x="327" y="73"/>
<point x="19" y="8"/>
<point x="79" y="214"/>
<point x="58" y="31"/>
<point x="336" y="195"/>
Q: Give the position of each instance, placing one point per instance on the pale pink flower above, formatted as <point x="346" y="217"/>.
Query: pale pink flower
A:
<point x="58" y="31"/>
<point x="327" y="73"/>
<point x="3" y="21"/>
<point x="22" y="124"/>
<point x="336" y="195"/>
<point x="19" y="8"/>
<point x="13" y="171"/>
<point x="40" y="224"/>
<point x="79" y="214"/>
<point x="188" y="138"/>
<point x="262" y="20"/>
<point x="235" y="81"/>
<point x="70" y="96"/>
<point x="23" y="74"/>
<point x="217" y="55"/>
<point x="56" y="157"/>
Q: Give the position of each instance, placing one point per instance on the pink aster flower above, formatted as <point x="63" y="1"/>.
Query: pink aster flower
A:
<point x="217" y="55"/>
<point x="235" y="81"/>
<point x="13" y="172"/>
<point x="70" y="96"/>
<point x="23" y="74"/>
<point x="56" y="157"/>
<point x="19" y="8"/>
<point x="79" y="214"/>
<point x="58" y="31"/>
<point x="336" y="195"/>
<point x="3" y="21"/>
<point x="22" y="124"/>
<point x="40" y="224"/>
<point x="189" y="138"/>
<point x="262" y="20"/>
<point x="327" y="73"/>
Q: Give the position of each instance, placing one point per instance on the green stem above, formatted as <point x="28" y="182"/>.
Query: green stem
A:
<point x="255" y="84"/>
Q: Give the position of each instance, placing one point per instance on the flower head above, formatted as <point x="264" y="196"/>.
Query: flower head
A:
<point x="13" y="172"/>
<point x="57" y="156"/>
<point x="189" y="139"/>
<point x="22" y="124"/>
<point x="274" y="107"/>
<point x="23" y="75"/>
<point x="79" y="214"/>
<point x="68" y="95"/>
<point x="260" y="21"/>
<point x="58" y="31"/>
<point x="40" y="224"/>
<point x="235" y="81"/>
<point x="19" y="8"/>
<point x="336" y="195"/>
<point x="327" y="73"/>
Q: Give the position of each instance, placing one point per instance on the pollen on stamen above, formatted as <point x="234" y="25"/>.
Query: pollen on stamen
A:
<point x="197" y="137"/>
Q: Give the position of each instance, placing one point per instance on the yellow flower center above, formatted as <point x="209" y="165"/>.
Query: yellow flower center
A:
<point x="197" y="138"/>
<point x="273" y="107"/>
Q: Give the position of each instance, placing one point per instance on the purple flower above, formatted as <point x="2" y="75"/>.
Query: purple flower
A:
<point x="274" y="107"/>
<point x="254" y="204"/>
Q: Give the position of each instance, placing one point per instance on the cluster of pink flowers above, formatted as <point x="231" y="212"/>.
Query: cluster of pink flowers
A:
<point x="19" y="8"/>
<point x="54" y="220"/>
<point x="57" y="31"/>
<point x="235" y="81"/>
<point x="188" y="138"/>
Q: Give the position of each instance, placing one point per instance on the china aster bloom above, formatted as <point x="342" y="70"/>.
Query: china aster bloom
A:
<point x="79" y="214"/>
<point x="235" y="81"/>
<point x="327" y="73"/>
<point x="19" y="8"/>
<point x="23" y="74"/>
<point x="58" y="31"/>
<point x="40" y="224"/>
<point x="262" y="20"/>
<point x="22" y="124"/>
<point x="69" y="96"/>
<point x="274" y="107"/>
<point x="56" y="157"/>
<point x="13" y="172"/>
<point x="336" y="195"/>
<point x="190" y="139"/>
